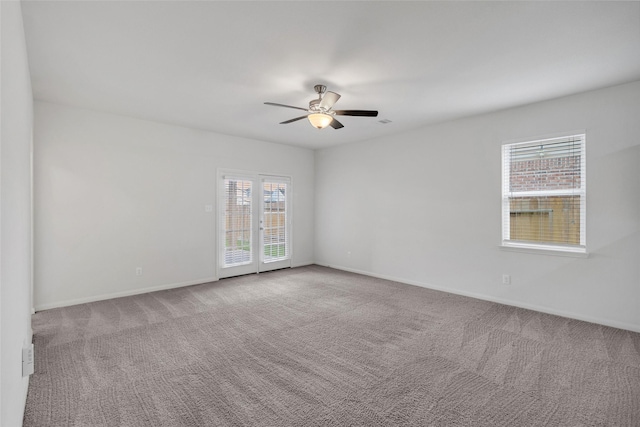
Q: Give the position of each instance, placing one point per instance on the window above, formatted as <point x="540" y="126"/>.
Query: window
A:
<point x="543" y="194"/>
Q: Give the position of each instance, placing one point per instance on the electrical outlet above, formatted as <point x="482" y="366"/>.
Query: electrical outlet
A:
<point x="27" y="360"/>
<point x="506" y="279"/>
<point x="139" y="271"/>
<point x="208" y="208"/>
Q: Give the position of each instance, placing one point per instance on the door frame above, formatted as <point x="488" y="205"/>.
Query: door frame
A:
<point x="258" y="264"/>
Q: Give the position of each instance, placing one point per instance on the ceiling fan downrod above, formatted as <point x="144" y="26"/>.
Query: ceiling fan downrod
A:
<point x="315" y="103"/>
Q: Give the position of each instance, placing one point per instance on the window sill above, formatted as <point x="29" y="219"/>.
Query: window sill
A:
<point x="544" y="250"/>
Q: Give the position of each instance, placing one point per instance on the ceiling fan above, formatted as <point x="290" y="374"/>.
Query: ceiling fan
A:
<point x="320" y="113"/>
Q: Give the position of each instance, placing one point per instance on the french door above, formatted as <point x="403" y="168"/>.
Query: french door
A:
<point x="254" y="213"/>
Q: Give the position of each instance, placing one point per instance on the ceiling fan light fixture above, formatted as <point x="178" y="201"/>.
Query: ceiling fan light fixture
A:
<point x="320" y="120"/>
<point x="321" y="113"/>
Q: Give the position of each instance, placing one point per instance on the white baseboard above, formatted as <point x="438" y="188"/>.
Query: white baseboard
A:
<point x="301" y="264"/>
<point x="25" y="380"/>
<point x="562" y="313"/>
<point x="94" y="298"/>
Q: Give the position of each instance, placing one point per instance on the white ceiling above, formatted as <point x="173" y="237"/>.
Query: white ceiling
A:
<point x="211" y="65"/>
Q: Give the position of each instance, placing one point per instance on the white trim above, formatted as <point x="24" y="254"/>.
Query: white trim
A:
<point x="546" y="137"/>
<point x="541" y="309"/>
<point x="549" y="193"/>
<point x="31" y="228"/>
<point x="121" y="294"/>
<point x="583" y="188"/>
<point x="506" y="207"/>
<point x="283" y="179"/>
<point x="578" y="252"/>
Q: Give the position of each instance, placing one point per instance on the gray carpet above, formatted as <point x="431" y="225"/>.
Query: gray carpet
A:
<point x="313" y="346"/>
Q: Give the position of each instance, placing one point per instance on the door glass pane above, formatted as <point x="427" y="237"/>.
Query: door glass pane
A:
<point x="237" y="222"/>
<point x="275" y="231"/>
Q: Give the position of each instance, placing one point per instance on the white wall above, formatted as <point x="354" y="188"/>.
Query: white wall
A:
<point x="15" y="214"/>
<point x="425" y="207"/>
<point x="113" y="193"/>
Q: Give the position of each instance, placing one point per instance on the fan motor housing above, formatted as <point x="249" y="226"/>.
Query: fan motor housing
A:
<point x="314" y="105"/>
<point x="320" y="89"/>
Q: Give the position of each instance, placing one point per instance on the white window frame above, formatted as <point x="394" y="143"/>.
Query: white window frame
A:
<point x="543" y="247"/>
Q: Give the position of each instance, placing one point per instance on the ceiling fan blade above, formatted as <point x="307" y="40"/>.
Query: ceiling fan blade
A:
<point x="328" y="100"/>
<point x="283" y="105"/>
<point x="361" y="113"/>
<point x="293" y="120"/>
<point x="336" y="124"/>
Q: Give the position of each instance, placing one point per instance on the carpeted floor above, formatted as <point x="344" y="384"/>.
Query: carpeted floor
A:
<point x="313" y="346"/>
